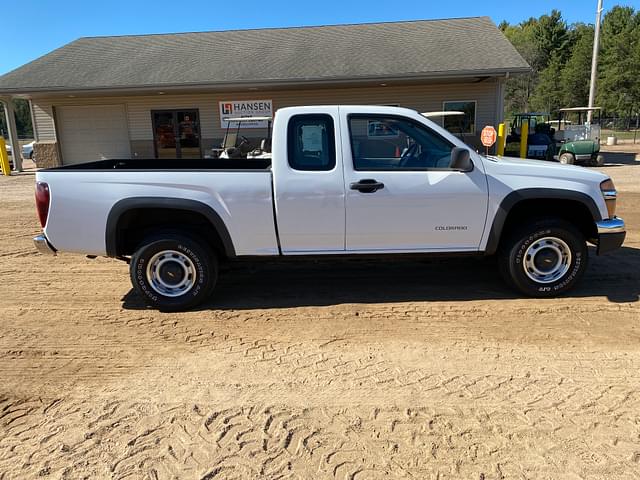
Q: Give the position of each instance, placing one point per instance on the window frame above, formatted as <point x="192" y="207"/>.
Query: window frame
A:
<point x="373" y="116"/>
<point x="475" y="114"/>
<point x="331" y="140"/>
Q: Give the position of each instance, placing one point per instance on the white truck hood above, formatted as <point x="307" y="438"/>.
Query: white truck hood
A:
<point x="506" y="175"/>
<point x="541" y="168"/>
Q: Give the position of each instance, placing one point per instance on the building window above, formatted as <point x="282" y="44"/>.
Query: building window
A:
<point x="460" y="124"/>
<point x="391" y="143"/>
<point x="176" y="133"/>
<point x="311" y="142"/>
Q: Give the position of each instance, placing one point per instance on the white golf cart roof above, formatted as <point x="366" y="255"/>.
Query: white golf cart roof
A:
<point x="447" y="113"/>
<point x="579" y="109"/>
<point x="247" y="119"/>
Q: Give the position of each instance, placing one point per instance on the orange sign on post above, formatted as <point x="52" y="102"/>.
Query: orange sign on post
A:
<point x="488" y="137"/>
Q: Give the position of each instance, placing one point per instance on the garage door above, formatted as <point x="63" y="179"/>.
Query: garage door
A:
<point x="93" y="132"/>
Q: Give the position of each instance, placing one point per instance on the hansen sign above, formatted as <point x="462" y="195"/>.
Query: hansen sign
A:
<point x="245" y="108"/>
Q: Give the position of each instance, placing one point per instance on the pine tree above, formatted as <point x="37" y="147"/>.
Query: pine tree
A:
<point x="576" y="72"/>
<point x="619" y="79"/>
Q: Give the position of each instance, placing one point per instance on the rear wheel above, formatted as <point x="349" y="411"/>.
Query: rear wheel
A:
<point x="597" y="160"/>
<point x="172" y="272"/>
<point x="567" y="158"/>
<point x="545" y="258"/>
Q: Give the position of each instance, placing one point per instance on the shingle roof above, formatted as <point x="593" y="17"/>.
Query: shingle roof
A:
<point x="427" y="48"/>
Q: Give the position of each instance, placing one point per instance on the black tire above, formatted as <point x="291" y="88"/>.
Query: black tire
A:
<point x="597" y="160"/>
<point x="543" y="235"/>
<point x="192" y="263"/>
<point x="567" y="158"/>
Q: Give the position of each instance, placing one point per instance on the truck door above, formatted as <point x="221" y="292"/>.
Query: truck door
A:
<point x="401" y="195"/>
<point x="309" y="181"/>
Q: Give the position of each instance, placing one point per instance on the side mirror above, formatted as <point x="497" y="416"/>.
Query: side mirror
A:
<point x="461" y="160"/>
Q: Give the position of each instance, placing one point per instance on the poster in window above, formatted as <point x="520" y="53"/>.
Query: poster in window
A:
<point x="312" y="138"/>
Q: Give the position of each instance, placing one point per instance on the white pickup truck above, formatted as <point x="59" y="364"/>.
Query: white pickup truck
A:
<point x="342" y="180"/>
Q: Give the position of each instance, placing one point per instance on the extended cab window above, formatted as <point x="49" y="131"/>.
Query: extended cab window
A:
<point x="396" y="143"/>
<point x="311" y="143"/>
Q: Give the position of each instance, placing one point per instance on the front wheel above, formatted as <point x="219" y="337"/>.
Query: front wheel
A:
<point x="567" y="158"/>
<point x="544" y="259"/>
<point x="173" y="272"/>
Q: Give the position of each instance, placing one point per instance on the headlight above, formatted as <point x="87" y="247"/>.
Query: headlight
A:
<point x="610" y="195"/>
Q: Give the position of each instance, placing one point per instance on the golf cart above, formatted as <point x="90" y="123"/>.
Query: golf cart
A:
<point x="235" y="145"/>
<point x="540" y="145"/>
<point x="578" y="141"/>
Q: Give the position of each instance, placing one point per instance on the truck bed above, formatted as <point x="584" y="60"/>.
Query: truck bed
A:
<point x="241" y="197"/>
<point x="170" y="164"/>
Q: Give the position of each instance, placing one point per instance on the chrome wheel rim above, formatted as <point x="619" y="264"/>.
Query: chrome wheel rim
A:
<point x="171" y="273"/>
<point x="547" y="260"/>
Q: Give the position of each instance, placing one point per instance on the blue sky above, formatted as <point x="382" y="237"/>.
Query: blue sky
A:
<point x="32" y="28"/>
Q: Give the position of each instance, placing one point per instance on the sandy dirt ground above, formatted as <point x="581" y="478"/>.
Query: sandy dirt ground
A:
<point x="354" y="370"/>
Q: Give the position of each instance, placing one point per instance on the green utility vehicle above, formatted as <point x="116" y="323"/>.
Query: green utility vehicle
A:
<point x="576" y="140"/>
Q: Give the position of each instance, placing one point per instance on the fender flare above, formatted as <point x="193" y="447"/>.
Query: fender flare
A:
<point x="127" y="204"/>
<point x="515" y="197"/>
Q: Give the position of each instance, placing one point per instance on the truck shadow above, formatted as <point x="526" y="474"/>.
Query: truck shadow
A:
<point x="618" y="159"/>
<point x="332" y="282"/>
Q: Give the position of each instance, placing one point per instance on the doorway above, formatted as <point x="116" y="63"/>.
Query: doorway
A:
<point x="176" y="133"/>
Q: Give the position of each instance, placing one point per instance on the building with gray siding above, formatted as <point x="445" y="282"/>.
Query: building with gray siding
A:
<point x="151" y="96"/>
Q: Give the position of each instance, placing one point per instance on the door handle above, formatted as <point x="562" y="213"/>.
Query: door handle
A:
<point x="367" y="185"/>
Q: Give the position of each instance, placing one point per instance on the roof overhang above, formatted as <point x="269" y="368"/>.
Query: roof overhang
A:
<point x="280" y="84"/>
<point x="580" y="109"/>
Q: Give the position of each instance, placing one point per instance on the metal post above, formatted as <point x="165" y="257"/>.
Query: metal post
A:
<point x="4" y="158"/>
<point x="524" y="138"/>
<point x="501" y="140"/>
<point x="16" y="152"/>
<point x="33" y="121"/>
<point x="594" y="61"/>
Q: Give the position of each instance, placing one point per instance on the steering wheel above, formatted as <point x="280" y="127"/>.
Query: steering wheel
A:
<point x="243" y="140"/>
<point x="408" y="153"/>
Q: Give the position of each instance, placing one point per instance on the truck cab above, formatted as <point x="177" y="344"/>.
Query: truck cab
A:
<point x="364" y="179"/>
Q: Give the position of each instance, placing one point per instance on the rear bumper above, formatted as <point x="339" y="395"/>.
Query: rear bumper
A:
<point x="611" y="234"/>
<point x="43" y="245"/>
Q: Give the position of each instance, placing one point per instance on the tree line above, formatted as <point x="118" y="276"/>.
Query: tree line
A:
<point x="560" y="59"/>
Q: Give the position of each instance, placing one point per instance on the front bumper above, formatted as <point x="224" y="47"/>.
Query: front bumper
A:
<point x="611" y="233"/>
<point x="43" y="245"/>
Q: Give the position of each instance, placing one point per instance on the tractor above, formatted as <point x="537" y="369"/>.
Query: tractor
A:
<point x="540" y="144"/>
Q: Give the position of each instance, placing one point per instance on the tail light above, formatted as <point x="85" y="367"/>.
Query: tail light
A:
<point x="42" y="202"/>
<point x="610" y="195"/>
